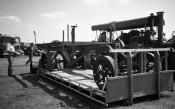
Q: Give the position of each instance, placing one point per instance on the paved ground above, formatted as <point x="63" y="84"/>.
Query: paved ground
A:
<point x="27" y="91"/>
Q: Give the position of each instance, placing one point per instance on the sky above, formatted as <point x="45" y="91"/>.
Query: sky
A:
<point x="50" y="17"/>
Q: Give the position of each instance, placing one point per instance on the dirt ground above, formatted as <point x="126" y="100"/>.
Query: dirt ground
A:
<point x="27" y="91"/>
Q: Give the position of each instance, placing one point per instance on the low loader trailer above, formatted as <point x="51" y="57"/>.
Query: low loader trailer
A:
<point x="117" y="88"/>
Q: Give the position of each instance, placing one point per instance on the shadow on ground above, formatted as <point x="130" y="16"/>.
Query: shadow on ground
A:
<point x="71" y="99"/>
<point x="68" y="98"/>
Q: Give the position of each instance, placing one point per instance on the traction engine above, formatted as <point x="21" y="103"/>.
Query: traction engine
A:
<point x="134" y="34"/>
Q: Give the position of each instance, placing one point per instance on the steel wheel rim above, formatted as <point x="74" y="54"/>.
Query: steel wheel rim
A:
<point x="103" y="70"/>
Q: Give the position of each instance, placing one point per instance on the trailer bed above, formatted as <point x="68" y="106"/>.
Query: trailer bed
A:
<point x="81" y="81"/>
<point x="76" y="77"/>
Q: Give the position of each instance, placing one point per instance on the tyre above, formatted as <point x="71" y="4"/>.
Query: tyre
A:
<point x="34" y="68"/>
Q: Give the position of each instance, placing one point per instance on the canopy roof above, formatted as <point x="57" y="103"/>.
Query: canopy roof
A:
<point x="127" y="24"/>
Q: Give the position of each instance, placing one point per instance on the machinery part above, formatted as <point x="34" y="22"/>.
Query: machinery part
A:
<point x="103" y="69"/>
<point x="76" y="60"/>
<point x="59" y="63"/>
<point x="50" y="60"/>
<point x="34" y="67"/>
<point x="51" y="57"/>
<point x="89" y="60"/>
<point x="43" y="61"/>
<point x="149" y="62"/>
<point x="66" y="58"/>
<point x="136" y="66"/>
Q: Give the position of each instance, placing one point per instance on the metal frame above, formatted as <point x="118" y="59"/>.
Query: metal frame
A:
<point x="124" y="87"/>
<point x="157" y="79"/>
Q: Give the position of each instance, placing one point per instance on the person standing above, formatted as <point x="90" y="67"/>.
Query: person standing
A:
<point x="11" y="51"/>
<point x="102" y="37"/>
<point x="30" y="53"/>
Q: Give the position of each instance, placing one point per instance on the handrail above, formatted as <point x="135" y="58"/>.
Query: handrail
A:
<point x="138" y="50"/>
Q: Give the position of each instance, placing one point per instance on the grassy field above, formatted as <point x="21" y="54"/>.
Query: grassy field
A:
<point x="27" y="91"/>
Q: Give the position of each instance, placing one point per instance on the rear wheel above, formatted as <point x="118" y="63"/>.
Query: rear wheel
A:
<point x="65" y="61"/>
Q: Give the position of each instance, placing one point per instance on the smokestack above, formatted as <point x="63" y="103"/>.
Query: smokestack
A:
<point x="73" y="37"/>
<point x="68" y="33"/>
<point x="63" y="39"/>
<point x="34" y="36"/>
<point x="160" y="27"/>
<point x="63" y="35"/>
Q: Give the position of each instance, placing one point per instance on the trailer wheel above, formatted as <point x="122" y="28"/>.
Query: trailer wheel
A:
<point x="103" y="69"/>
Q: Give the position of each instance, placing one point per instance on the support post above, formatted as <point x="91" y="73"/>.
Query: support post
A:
<point x="144" y="61"/>
<point x="130" y="79"/>
<point x="166" y="60"/>
<point x="110" y="37"/>
<point x="141" y="62"/>
<point x="157" y="70"/>
<point x="115" y="63"/>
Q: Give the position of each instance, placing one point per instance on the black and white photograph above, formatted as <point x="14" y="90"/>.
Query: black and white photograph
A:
<point x="87" y="54"/>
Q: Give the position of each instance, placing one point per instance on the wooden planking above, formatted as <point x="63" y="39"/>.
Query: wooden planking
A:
<point x="76" y="77"/>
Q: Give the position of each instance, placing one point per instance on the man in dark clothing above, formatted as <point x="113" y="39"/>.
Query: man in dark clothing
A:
<point x="30" y="53"/>
<point x="102" y="37"/>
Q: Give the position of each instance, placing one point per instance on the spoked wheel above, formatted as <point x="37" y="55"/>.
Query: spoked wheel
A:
<point x="63" y="63"/>
<point x="103" y="69"/>
<point x="59" y="63"/>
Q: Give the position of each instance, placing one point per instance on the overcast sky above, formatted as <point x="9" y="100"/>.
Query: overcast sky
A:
<point x="49" y="17"/>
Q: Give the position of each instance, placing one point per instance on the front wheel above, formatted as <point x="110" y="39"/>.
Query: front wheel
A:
<point x="103" y="69"/>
